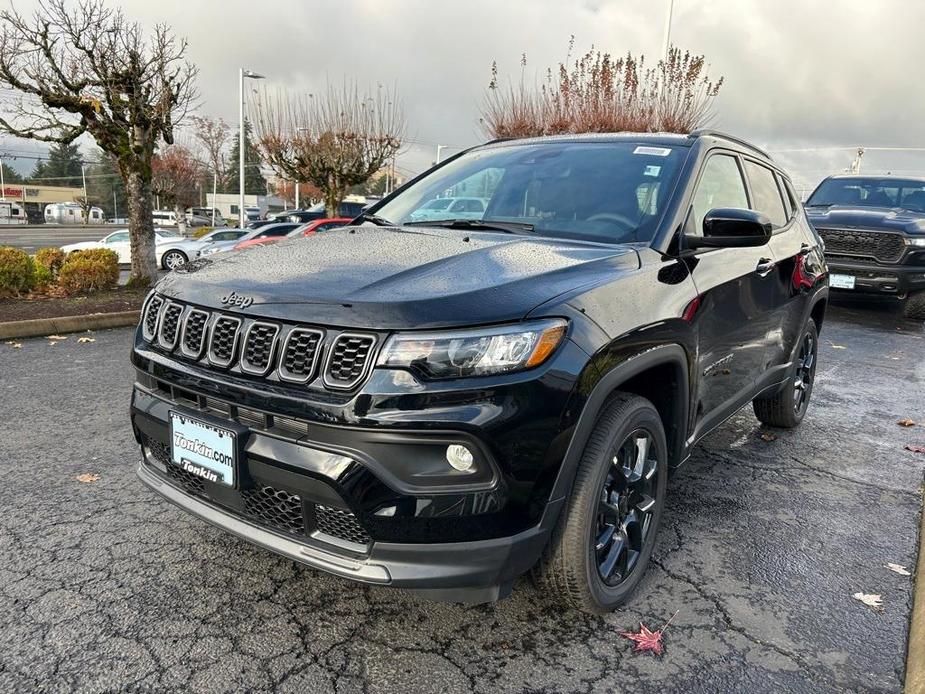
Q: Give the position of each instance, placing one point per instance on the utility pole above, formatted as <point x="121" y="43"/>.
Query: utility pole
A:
<point x="2" y="184"/>
<point x="115" y="205"/>
<point x="83" y="176"/>
<point x="242" y="73"/>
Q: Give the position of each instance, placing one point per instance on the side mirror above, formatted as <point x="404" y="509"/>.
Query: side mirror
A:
<point x="731" y="227"/>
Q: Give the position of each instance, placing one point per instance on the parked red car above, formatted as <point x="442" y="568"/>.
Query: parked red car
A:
<point x="316" y="225"/>
<point x="265" y="234"/>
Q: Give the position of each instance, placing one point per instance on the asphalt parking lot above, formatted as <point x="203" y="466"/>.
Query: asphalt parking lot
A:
<point x="105" y="587"/>
<point x="31" y="238"/>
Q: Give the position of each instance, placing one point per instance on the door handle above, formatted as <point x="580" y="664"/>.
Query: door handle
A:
<point x="764" y="267"/>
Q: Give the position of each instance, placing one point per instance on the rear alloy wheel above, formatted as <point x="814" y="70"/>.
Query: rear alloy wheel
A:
<point x="787" y="407"/>
<point x="173" y="259"/>
<point x="601" y="546"/>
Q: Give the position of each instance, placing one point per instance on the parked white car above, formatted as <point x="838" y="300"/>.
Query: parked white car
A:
<point x="118" y="241"/>
<point x="173" y="254"/>
<point x="450" y="208"/>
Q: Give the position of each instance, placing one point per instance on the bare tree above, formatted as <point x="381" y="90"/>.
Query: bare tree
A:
<point x="175" y="176"/>
<point x="599" y="93"/>
<point x="334" y="140"/>
<point x="86" y="205"/>
<point x="213" y="134"/>
<point x="84" y="68"/>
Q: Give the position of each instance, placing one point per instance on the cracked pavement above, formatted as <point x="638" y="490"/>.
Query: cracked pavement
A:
<point x="105" y="587"/>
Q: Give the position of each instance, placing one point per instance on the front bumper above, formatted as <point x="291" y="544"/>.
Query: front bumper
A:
<point x="879" y="279"/>
<point x="478" y="571"/>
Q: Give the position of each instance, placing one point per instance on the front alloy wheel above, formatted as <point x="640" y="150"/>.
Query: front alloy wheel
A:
<point x="173" y="260"/>
<point x="601" y="546"/>
<point x="625" y="512"/>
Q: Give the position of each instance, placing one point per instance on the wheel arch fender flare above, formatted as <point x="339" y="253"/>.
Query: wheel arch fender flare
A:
<point x="672" y="355"/>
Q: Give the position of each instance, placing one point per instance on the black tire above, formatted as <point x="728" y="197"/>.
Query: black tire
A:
<point x="787" y="407"/>
<point x="173" y="253"/>
<point x="914" y="306"/>
<point x="571" y="568"/>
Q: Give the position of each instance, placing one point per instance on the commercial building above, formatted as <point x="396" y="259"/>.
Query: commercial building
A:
<point x="34" y="198"/>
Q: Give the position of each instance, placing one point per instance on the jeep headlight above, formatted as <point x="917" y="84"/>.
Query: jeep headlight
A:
<point x="475" y="352"/>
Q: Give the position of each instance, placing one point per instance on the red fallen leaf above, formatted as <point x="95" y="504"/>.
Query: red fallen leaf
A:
<point x="914" y="449"/>
<point x="647" y="640"/>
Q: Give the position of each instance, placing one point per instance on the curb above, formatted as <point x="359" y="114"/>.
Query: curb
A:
<point x="915" y="660"/>
<point x="67" y="324"/>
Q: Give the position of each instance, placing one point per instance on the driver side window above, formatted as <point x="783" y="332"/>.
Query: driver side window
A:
<point x="118" y="237"/>
<point x="720" y="185"/>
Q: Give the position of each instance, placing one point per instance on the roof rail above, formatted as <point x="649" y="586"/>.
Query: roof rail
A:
<point x="726" y="136"/>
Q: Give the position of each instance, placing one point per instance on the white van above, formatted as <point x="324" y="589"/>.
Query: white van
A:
<point x="164" y="218"/>
<point x="71" y="213"/>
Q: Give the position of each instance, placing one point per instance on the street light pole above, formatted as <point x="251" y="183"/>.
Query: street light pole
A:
<point x="297" y="195"/>
<point x="242" y="73"/>
<point x="666" y="42"/>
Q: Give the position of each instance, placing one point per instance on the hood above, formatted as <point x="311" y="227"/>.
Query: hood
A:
<point x="386" y="278"/>
<point x="885" y="218"/>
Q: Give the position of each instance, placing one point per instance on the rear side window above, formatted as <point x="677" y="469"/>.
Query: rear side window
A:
<point x="766" y="194"/>
<point x="720" y="185"/>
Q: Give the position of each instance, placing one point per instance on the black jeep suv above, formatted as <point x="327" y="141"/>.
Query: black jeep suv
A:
<point x="874" y="233"/>
<point x="445" y="405"/>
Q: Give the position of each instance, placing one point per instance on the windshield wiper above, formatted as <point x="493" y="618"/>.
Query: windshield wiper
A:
<point x="374" y="219"/>
<point x="477" y="225"/>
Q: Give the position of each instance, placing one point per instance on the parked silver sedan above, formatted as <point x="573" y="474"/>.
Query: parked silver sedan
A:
<point x="179" y="252"/>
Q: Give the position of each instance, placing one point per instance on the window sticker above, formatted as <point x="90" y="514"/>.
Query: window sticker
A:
<point x="652" y="170"/>
<point x="652" y="151"/>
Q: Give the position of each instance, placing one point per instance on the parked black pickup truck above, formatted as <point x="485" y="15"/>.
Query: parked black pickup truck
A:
<point x="874" y="233"/>
<point x="444" y="405"/>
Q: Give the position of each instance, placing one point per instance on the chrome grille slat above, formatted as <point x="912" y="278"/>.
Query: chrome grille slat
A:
<point x="259" y="348"/>
<point x="169" y="329"/>
<point x="223" y="340"/>
<point x="193" y="335"/>
<point x="300" y="355"/>
<point x="348" y="360"/>
<point x="152" y="316"/>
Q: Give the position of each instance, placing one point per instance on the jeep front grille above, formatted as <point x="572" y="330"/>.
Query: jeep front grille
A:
<point x="224" y="340"/>
<point x="253" y="347"/>
<point x="883" y="246"/>
<point x="350" y="355"/>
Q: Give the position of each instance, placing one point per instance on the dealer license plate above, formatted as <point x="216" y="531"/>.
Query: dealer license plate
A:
<point x="202" y="449"/>
<point x="841" y="281"/>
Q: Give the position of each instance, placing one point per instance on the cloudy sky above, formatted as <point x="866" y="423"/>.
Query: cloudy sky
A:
<point x="814" y="75"/>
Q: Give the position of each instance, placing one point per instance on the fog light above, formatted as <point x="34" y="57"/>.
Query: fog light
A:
<point x="460" y="458"/>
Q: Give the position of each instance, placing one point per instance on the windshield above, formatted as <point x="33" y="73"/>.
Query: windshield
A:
<point x="613" y="192"/>
<point x="869" y="192"/>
